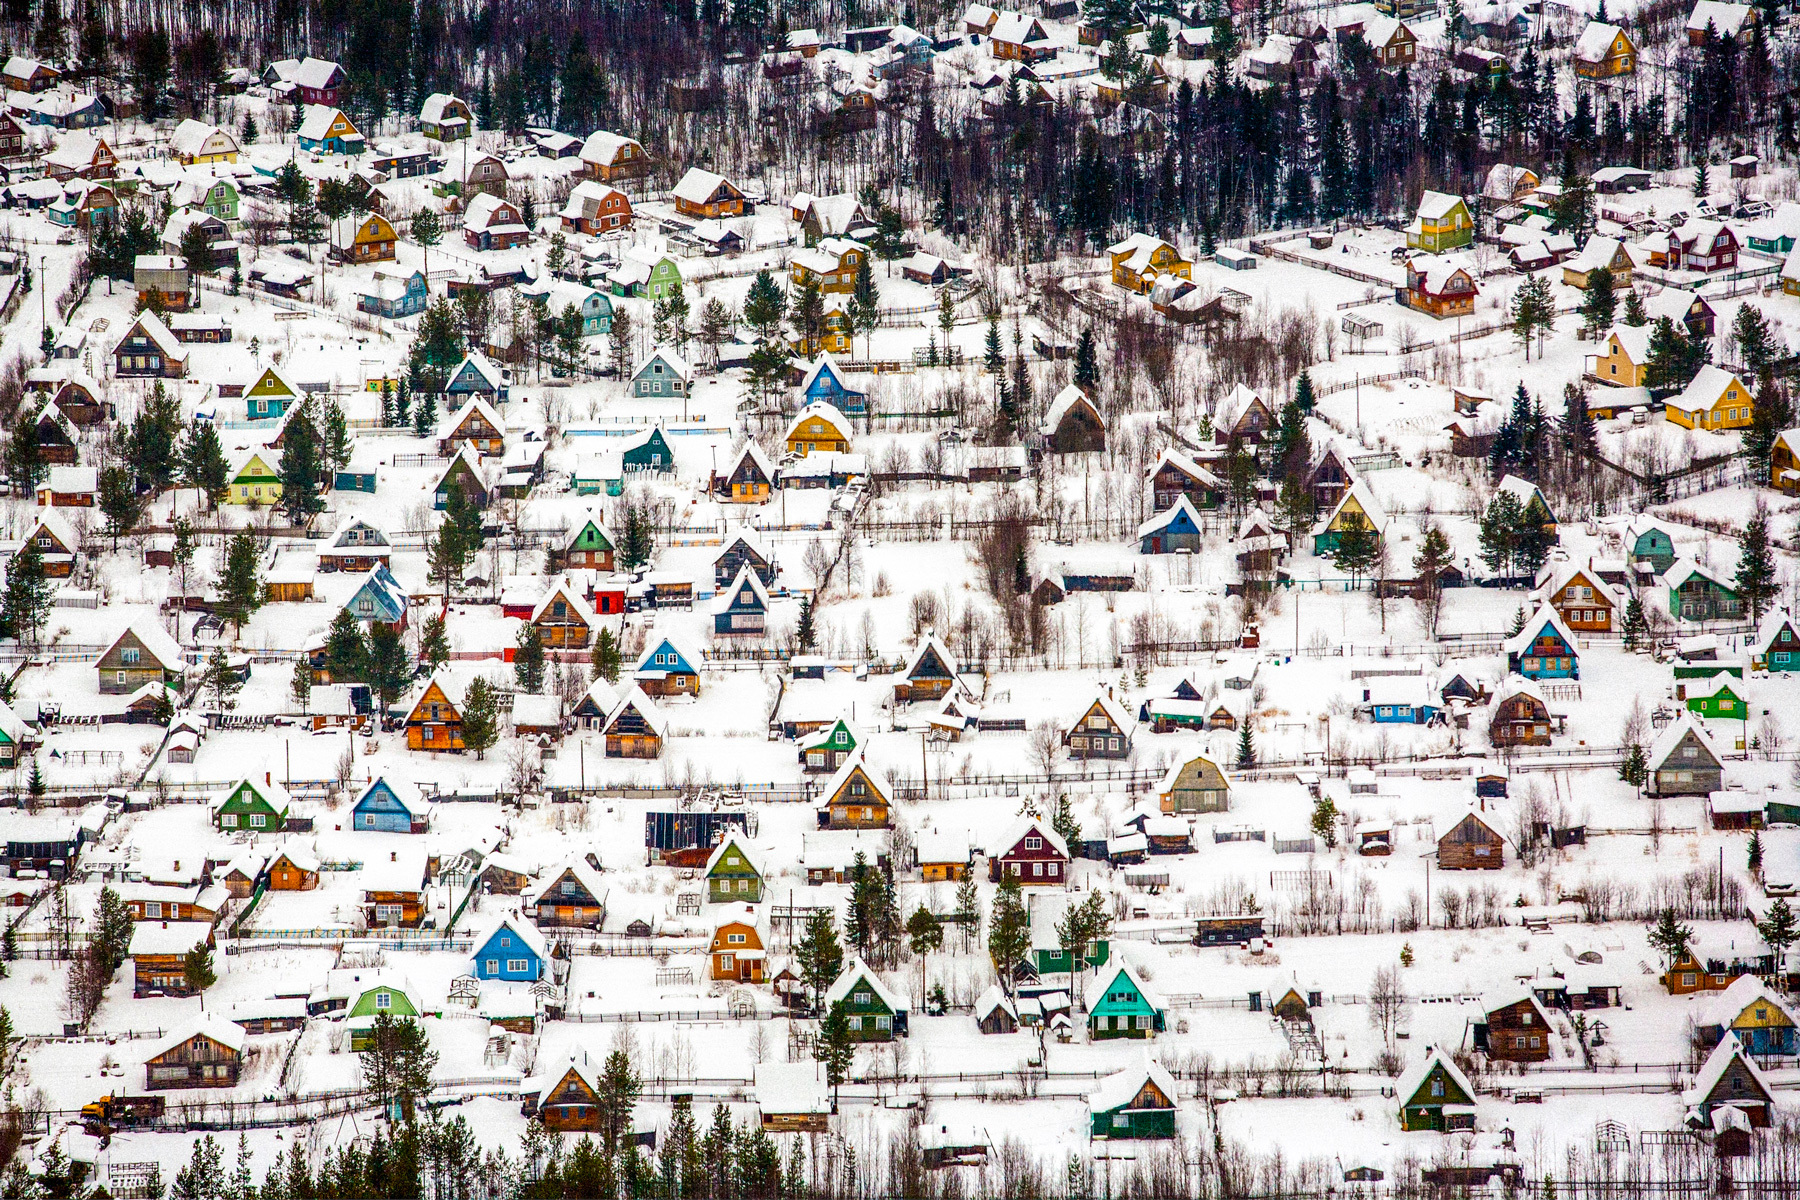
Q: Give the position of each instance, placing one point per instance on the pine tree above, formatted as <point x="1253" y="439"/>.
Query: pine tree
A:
<point x="1753" y="856"/>
<point x="835" y="1049"/>
<point x="1635" y="770"/>
<point x="25" y="465"/>
<point x="1064" y="823"/>
<point x="993" y="357"/>
<point x="303" y="471"/>
<point x="1087" y="362"/>
<point x="301" y="687"/>
<point x="434" y="643"/>
<point x="240" y="584"/>
<point x="480" y="722"/>
<point x="1634" y="315"/>
<point x="1009" y="931"/>
<point x="1635" y="627"/>
<point x="1303" y="393"/>
<point x="606" y="656"/>
<point x="1325" y="822"/>
<point x="1757" y="343"/>
<point x="1670" y="938"/>
<point x="203" y="465"/>
<point x="1598" y="304"/>
<point x="1770" y="417"/>
<point x="528" y="659"/>
<point x="1702" y="181"/>
<point x="29" y="596"/>
<point x="1500" y="533"/>
<point x="112" y="930"/>
<point x="1779" y="929"/>
<point x="1357" y="547"/>
<point x="805" y="634"/>
<point x="1755" y="578"/>
<point x="1246" y="751"/>
<point x="346" y="653"/>
<point x="197" y="969"/>
<point x="388" y="669"/>
<point x="764" y="305"/>
<point x="819" y="956"/>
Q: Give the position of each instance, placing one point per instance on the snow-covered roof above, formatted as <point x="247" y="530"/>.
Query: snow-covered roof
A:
<point x="209" y="1024"/>
<point x="854" y="970"/>
<point x="858" y="760"/>
<point x="1706" y="1079"/>
<point x="526" y="931"/>
<point x="1704" y="390"/>
<point x="698" y="186"/>
<point x="167" y="937"/>
<point x="1121" y="1088"/>
<point x="490" y="212"/>
<point x="823" y="411"/>
<point x="1108" y="973"/>
<point x="1596" y="41"/>
<point x="1023" y="827"/>
<point x="1672" y="735"/>
<point x="1408" y="1084"/>
<point x="792" y="1088"/>
<point x="319" y="119"/>
<point x="1435" y="206"/>
<point x="646" y="708"/>
<point x="603" y="146"/>
<point x="435" y="108"/>
<point x="734" y="842"/>
<point x="671" y="358"/>
<point x="584" y="874"/>
<point x="1726" y="19"/>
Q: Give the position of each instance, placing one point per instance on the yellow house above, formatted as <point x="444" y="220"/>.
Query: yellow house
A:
<point x="365" y="237"/>
<point x="1716" y="399"/>
<point x="1599" y="252"/>
<point x="1627" y="357"/>
<point x="1443" y="223"/>
<point x="1141" y="259"/>
<point x="834" y="339"/>
<point x="832" y="264"/>
<point x="254" y="482"/>
<point x="819" y="426"/>
<point x="195" y="142"/>
<point x="1603" y="51"/>
<point x="1357" y="502"/>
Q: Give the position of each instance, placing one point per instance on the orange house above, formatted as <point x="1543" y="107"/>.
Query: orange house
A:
<point x="435" y="722"/>
<point x="294" y="870"/>
<point x="737" y="947"/>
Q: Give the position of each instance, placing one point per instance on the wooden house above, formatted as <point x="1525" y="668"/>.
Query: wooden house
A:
<point x="1608" y="252"/>
<point x="1544" y="648"/>
<point x="24" y="74"/>
<point x="463" y="474"/>
<point x="1176" y="475"/>
<point x="1435" y="1095"/>
<point x="379" y="600"/>
<point x="492" y="222"/>
<point x="944" y="856"/>
<point x="1175" y="528"/>
<point x="1684" y="761"/>
<point x="1624" y="360"/>
<point x="363" y="238"/>
<point x="823" y="382"/>
<point x="596" y="208"/>
<point x="731" y="874"/>
<point x="857" y="797"/>
<point x="1122" y="1006"/>
<point x="390" y="806"/>
<point x="1135" y="1104"/>
<point x="393" y="889"/>
<point x="1440" y="285"/>
<point x="744" y="551"/>
<point x="477" y="424"/>
<point x="751" y="479"/>
<point x="1032" y="853"/>
<point x="636" y="727"/>
<point x="737" y="951"/>
<point x="831" y="265"/>
<point x="589" y="546"/>
<point x="326" y="130"/>
<point x="1471" y="844"/>
<point x="792" y="1097"/>
<point x="742" y="609"/>
<point x="1603" y="51"/>
<point x="158" y="952"/>
<point x="206" y="1051"/>
<point x="1442" y="223"/>
<point x="995" y="1012"/>
<point x="148" y="350"/>
<point x="510" y="950"/>
<point x="1072" y="424"/>
<point x="1776" y="648"/>
<point x="1731" y="1079"/>
<point x="1584" y="602"/>
<point x="293" y="869"/>
<point x="1394" y="44"/>
<point x="1139" y="261"/>
<point x="875" y="1012"/>
<point x="818" y="427"/>
<point x="434" y="720"/>
<point x="612" y="157"/>
<point x="569" y="897"/>
<point x="1519" y="716"/>
<point x="570" y="1103"/>
<point x="1104" y="730"/>
<point x="247" y="804"/>
<point x="1784" y="462"/>
<point x="929" y="673"/>
<point x="1750" y="1013"/>
<point x="358" y="545"/>
<point x="562" y="618"/>
<point x="703" y="194"/>
<point x="1714" y="399"/>
<point x="1357" y="503"/>
<point x="142" y="653"/>
<point x="826" y="748"/>
<point x="667" y="669"/>
<point x="1192" y="785"/>
<point x="1697" y="594"/>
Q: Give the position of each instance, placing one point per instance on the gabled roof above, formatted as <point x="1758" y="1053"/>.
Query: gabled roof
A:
<point x="1726" y="19"/>
<point x="1060" y="407"/>
<point x="599" y="527"/>
<point x="319" y="119"/>
<point x="208" y="1024"/>
<point x="1560" y="575"/>
<point x="1167" y="517"/>
<point x="467" y="456"/>
<point x="1706" y="1079"/>
<point x="1685" y="568"/>
<point x="1182" y="763"/>
<point x="634" y="698"/>
<point x="931" y="643"/>
<point x="488" y="211"/>
<point x="1521" y="641"/>
<point x="746" y="577"/>
<point x="1704" y="390"/>
<point x="571" y="594"/>
<point x="603" y="146"/>
<point x="858" y="761"/>
<point x="155" y="641"/>
<point x="825" y="412"/>
<point x="1771" y="625"/>
<point x="1121" y="1088"/>
<point x="1365" y="499"/>
<point x="1023" y="827"/>
<point x="339" y="546"/>
<point x="275" y="794"/>
<point x="1596" y="41"/>
<point x="1722" y="1008"/>
<point x="1172" y="457"/>
<point x="1409" y="1084"/>
<point x="1672" y="736"/>
<point x="405" y="791"/>
<point x="698" y="186"/>
<point x="1109" y="972"/>
<point x="303" y="857"/>
<point x="674" y="642"/>
<point x="854" y="970"/>
<point x="603" y="694"/>
<point x="1435" y="206"/>
<point x="1115" y="712"/>
<point x="755" y="454"/>
<point x="671" y="358"/>
<point x="824" y="365"/>
<point x="584" y="874"/>
<point x="732" y="840"/>
<point x="527" y="932"/>
<point x="437" y="107"/>
<point x="490" y="374"/>
<point x="152" y="327"/>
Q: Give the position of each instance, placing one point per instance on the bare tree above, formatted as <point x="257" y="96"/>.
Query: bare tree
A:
<point x="1046" y="744"/>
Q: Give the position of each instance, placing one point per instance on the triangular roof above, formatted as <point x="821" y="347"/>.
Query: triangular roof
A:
<point x="468" y="457"/>
<point x="636" y="699"/>
<point x="578" y="867"/>
<point x="746" y="577"/>
<point x="155" y="640"/>
<point x="825" y="412"/>
<point x="605" y="697"/>
<point x="1112" y="969"/>
<point x="208" y="1024"/>
<point x="824" y="365"/>
<point x="599" y="527"/>
<point x="659" y="639"/>
<point x="571" y="594"/>
<point x="152" y="327"/>
<point x="1122" y="1087"/>
<point x="858" y="761"/>
<point x="476" y="406"/>
<point x="756" y="455"/>
<point x="856" y="969"/>
<point x="1185" y="464"/>
<point x="1183" y="507"/>
<point x="1409" y="1084"/>
<point x="1024" y="827"/>
<point x="405" y="791"/>
<point x="1066" y="401"/>
<point x="1115" y="712"/>
<point x="1521" y="641"/>
<point x="1672" y="736"/>
<point x="1707" y="1078"/>
<point x="272" y="793"/>
<point x="930" y="644"/>
<point x="490" y="374"/>
<point x="1365" y="500"/>
<point x="731" y="839"/>
<point x="527" y="932"/>
<point x="1771" y="625"/>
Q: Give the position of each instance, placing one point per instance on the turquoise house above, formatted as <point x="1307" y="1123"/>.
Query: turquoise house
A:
<point x="1777" y="645"/>
<point x="1651" y="543"/>
<point x="380" y="598"/>
<point x="390" y="806"/>
<point x="476" y="375"/>
<point x="512" y="951"/>
<point x="647" y="451"/>
<point x="1124" y="1007"/>
<point x="595" y="307"/>
<point x="1543" y="649"/>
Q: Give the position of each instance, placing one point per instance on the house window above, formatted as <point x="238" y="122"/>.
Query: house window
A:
<point x="258" y="820"/>
<point x="227" y="820"/>
<point x="493" y="964"/>
<point x="862" y="998"/>
<point x="517" y="965"/>
<point x="384" y="1000"/>
<point x="1034" y="843"/>
<point x="856" y="1024"/>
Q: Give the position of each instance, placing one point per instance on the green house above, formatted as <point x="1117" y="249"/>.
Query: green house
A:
<point x="383" y="996"/>
<point x="1124" y="1007"/>
<point x="1708" y="668"/>
<point x="876" y="1014"/>
<point x="1696" y="594"/>
<point x="595" y="474"/>
<point x="1782" y="812"/>
<point x="1718" y="698"/>
<point x="647" y="451"/>
<point x="1435" y="1095"/>
<point x="1047" y="956"/>
<point x="220" y="199"/>
<point x="731" y="874"/>
<point x="665" y="277"/>
<point x="1138" y="1102"/>
<point x="248" y="804"/>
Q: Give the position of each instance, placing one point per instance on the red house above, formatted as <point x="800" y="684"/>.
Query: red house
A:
<point x="1034" y="855"/>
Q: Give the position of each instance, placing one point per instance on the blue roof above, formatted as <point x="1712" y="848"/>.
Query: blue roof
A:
<point x="388" y="597"/>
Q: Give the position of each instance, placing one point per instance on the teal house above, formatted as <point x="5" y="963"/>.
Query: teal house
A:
<point x="1136" y="1103"/>
<point x="1543" y="649"/>
<point x="1646" y="541"/>
<point x="823" y="383"/>
<point x="476" y="375"/>
<point x="663" y="374"/>
<point x="1777" y="645"/>
<point x="876" y="1013"/>
<point x="647" y="451"/>
<point x="380" y="598"/>
<point x="511" y="950"/>
<point x="1124" y="1007"/>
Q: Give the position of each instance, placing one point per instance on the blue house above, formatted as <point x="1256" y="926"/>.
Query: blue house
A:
<point x="822" y="382"/>
<point x="1543" y="649"/>
<point x="664" y="373"/>
<point x="667" y="670"/>
<point x="1399" y="700"/>
<point x="744" y="607"/>
<point x="380" y="598"/>
<point x="357" y="475"/>
<point x="1174" y="528"/>
<point x="476" y="375"/>
<point x="390" y="806"/>
<point x="392" y="295"/>
<point x="558" y="296"/>
<point x="1777" y="644"/>
<point x="510" y="950"/>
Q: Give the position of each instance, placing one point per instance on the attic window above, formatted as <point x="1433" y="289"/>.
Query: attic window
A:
<point x="1034" y="843"/>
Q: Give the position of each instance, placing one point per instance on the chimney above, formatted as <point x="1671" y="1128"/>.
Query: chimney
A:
<point x="393" y="856"/>
<point x="268" y="778"/>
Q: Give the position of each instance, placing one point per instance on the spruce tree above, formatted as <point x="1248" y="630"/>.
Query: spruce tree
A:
<point x="1598" y="303"/>
<point x="1755" y="578"/>
<point x="1009" y="931"/>
<point x="528" y="659"/>
<point x="434" y="643"/>
<point x="303" y="470"/>
<point x="29" y="596"/>
<point x="1634" y="314"/>
<point x="240" y="584"/>
<point x="1087" y="361"/>
<point x="1246" y="750"/>
<point x="480" y="720"/>
<point x="606" y="656"/>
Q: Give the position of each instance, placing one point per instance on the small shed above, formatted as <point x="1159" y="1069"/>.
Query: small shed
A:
<point x="1236" y="260"/>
